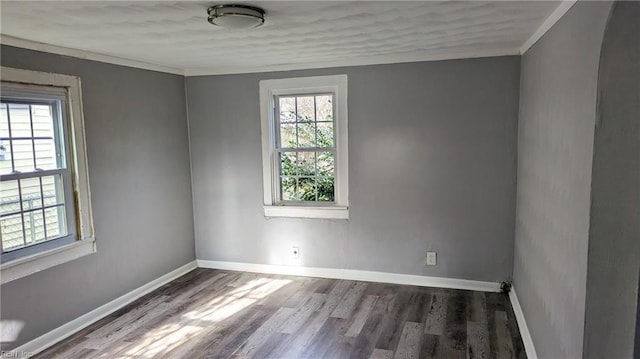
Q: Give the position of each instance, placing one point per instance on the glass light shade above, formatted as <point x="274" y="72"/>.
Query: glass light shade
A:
<point x="236" y="17"/>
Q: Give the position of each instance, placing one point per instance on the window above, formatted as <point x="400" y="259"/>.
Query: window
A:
<point x="304" y="141"/>
<point x="45" y="215"/>
<point x="36" y="183"/>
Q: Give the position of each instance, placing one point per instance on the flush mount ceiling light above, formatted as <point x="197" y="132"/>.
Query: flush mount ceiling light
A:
<point x="236" y="17"/>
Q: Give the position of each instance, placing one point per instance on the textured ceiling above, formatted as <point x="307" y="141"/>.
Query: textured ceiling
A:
<point x="300" y="34"/>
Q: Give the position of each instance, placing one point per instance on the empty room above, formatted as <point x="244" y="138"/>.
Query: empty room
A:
<point x="319" y="179"/>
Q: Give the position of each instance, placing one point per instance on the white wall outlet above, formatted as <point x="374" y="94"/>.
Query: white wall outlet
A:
<point x="295" y="252"/>
<point x="431" y="258"/>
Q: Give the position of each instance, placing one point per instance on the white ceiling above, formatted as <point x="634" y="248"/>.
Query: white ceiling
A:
<point x="297" y="34"/>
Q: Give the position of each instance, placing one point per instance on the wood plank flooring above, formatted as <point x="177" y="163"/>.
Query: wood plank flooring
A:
<point x="223" y="314"/>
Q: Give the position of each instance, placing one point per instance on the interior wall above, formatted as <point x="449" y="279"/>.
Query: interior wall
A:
<point x="636" y="351"/>
<point x="555" y="151"/>
<point x="614" y="235"/>
<point x="432" y="163"/>
<point x="138" y="154"/>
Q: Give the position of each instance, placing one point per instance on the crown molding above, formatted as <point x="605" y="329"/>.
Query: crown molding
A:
<point x="235" y="69"/>
<point x="556" y="15"/>
<point x="86" y="55"/>
<point x="376" y="60"/>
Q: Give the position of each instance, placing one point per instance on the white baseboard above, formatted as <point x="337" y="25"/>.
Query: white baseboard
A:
<point x="46" y="340"/>
<point x="522" y="325"/>
<point x="352" y="274"/>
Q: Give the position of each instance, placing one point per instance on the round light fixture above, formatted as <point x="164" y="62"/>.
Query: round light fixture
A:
<point x="236" y="17"/>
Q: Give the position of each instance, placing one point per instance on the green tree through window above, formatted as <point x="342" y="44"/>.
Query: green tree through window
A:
<point x="306" y="148"/>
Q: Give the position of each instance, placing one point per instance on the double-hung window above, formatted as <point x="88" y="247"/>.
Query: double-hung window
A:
<point x="304" y="127"/>
<point x="44" y="195"/>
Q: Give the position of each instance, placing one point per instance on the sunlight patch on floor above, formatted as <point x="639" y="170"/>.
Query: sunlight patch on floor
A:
<point x="167" y="342"/>
<point x="170" y="336"/>
<point x="230" y="303"/>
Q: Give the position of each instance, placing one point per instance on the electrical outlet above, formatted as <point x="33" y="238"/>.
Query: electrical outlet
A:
<point x="431" y="258"/>
<point x="295" y="252"/>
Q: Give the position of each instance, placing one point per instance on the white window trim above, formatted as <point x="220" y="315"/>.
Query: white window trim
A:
<point x="85" y="244"/>
<point x="25" y="266"/>
<point x="315" y="84"/>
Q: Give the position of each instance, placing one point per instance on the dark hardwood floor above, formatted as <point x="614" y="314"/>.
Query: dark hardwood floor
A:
<point x="223" y="314"/>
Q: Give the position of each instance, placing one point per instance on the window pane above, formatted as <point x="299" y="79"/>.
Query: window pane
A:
<point x="20" y="120"/>
<point x="22" y="155"/>
<point x="325" y="134"/>
<point x="53" y="190"/>
<point x="32" y="135"/>
<point x="288" y="189"/>
<point x="46" y="158"/>
<point x="325" y="164"/>
<point x="306" y="164"/>
<point x="56" y="222"/>
<point x="288" y="136"/>
<point x="287" y="109"/>
<point x="306" y="134"/>
<point x="5" y="159"/>
<point x="34" y="226"/>
<point x="306" y="109"/>
<point x="12" y="236"/>
<point x="307" y="188"/>
<point x="324" y="108"/>
<point x="288" y="165"/>
<point x="34" y="217"/>
<point x="9" y="197"/>
<point x="4" y="122"/>
<point x="31" y="195"/>
<point x="42" y="118"/>
<point x="326" y="191"/>
<point x="307" y="176"/>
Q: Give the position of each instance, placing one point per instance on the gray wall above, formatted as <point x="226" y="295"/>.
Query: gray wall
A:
<point x="139" y="171"/>
<point x="614" y="235"/>
<point x="555" y="149"/>
<point x="432" y="157"/>
<point x="636" y="351"/>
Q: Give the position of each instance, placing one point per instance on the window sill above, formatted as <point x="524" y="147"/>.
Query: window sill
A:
<point x="23" y="267"/>
<point x="307" y="212"/>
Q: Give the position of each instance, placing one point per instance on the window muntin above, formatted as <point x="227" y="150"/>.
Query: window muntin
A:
<point x="305" y="148"/>
<point x="36" y="206"/>
<point x="305" y="157"/>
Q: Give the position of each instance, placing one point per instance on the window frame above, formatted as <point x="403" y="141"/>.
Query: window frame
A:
<point x="15" y="94"/>
<point x="77" y="166"/>
<point x="280" y="149"/>
<point x="270" y="90"/>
